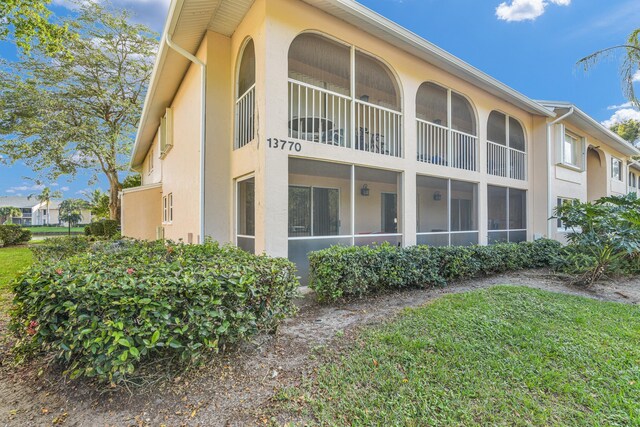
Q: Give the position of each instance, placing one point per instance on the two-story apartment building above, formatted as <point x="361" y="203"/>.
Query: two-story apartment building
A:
<point x="285" y="126"/>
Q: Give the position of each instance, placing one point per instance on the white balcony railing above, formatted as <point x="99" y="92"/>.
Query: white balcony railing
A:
<point x="319" y="115"/>
<point x="325" y="117"/>
<point x="446" y="147"/>
<point x="506" y="162"/>
<point x="378" y="129"/>
<point x="245" y="117"/>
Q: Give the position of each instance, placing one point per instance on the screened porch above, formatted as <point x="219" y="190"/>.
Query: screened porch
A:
<point x="340" y="204"/>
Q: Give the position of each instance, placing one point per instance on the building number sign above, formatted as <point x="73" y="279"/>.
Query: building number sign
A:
<point x="280" y="144"/>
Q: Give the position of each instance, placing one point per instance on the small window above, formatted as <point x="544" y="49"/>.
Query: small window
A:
<point x="616" y="169"/>
<point x="167" y="209"/>
<point x="571" y="150"/>
<point x="560" y="202"/>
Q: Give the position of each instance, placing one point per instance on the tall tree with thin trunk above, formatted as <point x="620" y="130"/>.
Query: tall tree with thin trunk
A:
<point x="45" y="197"/>
<point x="78" y="110"/>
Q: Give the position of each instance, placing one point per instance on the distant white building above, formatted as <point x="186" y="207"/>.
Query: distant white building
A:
<point x="38" y="213"/>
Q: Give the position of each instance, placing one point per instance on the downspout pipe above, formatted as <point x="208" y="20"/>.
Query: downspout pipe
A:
<point x="203" y="134"/>
<point x="549" y="164"/>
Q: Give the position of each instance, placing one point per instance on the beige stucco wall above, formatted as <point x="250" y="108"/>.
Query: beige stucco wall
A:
<point x="181" y="164"/>
<point x="142" y="212"/>
<point x="151" y="171"/>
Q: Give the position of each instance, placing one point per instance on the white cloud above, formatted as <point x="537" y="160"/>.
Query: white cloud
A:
<point x="34" y="187"/>
<point x="64" y="188"/>
<point x="636" y="76"/>
<point x="525" y="10"/>
<point x="621" y="116"/>
<point x="618" y="107"/>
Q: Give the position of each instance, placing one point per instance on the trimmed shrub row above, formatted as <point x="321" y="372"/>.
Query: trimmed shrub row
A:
<point x="13" y="234"/>
<point x="55" y="249"/>
<point x="106" y="312"/>
<point x="354" y="271"/>
<point x="106" y="228"/>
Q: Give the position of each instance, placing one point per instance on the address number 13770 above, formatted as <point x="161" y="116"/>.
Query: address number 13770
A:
<point x="283" y="145"/>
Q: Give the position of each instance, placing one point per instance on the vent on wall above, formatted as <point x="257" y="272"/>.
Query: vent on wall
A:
<point x="166" y="132"/>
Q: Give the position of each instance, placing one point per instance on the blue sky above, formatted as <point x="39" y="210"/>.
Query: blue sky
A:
<point x="531" y="45"/>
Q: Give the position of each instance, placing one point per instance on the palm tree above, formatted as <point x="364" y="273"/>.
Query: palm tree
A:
<point x="45" y="197"/>
<point x="630" y="66"/>
<point x="8" y="212"/>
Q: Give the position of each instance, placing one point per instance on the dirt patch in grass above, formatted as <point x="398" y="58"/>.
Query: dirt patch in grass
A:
<point x="238" y="388"/>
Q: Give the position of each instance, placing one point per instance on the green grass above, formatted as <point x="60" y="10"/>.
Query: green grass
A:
<point x="12" y="260"/>
<point x="502" y="356"/>
<point x="46" y="230"/>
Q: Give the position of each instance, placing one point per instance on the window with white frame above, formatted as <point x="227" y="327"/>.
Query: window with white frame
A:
<point x="561" y="201"/>
<point x="616" y="169"/>
<point x="633" y="182"/>
<point x="571" y="150"/>
<point x="167" y="208"/>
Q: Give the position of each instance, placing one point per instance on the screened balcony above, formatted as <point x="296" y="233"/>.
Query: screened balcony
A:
<point x="338" y="204"/>
<point x="245" y="98"/>
<point x="506" y="147"/>
<point x="447" y="131"/>
<point x="633" y="183"/>
<point x="342" y="97"/>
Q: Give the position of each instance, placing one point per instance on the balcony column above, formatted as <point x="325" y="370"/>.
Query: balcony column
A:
<point x="483" y="201"/>
<point x="272" y="171"/>
<point x="408" y="187"/>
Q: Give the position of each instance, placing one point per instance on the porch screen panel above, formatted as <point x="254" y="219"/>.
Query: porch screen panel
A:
<point x="325" y="211"/>
<point x="431" y="104"/>
<point x="377" y="212"/>
<point x="496" y="128"/>
<point x="321" y="62"/>
<point x="247" y="71"/>
<point x="464" y="211"/>
<point x="507" y="214"/>
<point x="516" y="135"/>
<point x="299" y="211"/>
<point x="375" y="83"/>
<point x="462" y="116"/>
<point x="245" y="228"/>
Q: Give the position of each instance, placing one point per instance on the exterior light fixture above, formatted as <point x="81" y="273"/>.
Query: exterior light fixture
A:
<point x="364" y="191"/>
<point x="437" y="196"/>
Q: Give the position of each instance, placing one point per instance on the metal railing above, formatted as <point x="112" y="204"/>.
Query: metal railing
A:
<point x="319" y="115"/>
<point x="506" y="162"/>
<point x="378" y="129"/>
<point x="245" y="118"/>
<point x="326" y="117"/>
<point x="442" y="146"/>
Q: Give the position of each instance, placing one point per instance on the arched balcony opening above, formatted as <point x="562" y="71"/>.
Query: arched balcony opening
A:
<point x="447" y="130"/>
<point x="245" y="97"/>
<point x="506" y="147"/>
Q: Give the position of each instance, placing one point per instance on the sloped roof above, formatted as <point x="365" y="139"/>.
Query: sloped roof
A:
<point x="17" y="202"/>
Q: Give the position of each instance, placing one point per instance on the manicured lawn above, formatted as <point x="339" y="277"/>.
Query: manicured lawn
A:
<point x="46" y="230"/>
<point x="12" y="260"/>
<point x="502" y="356"/>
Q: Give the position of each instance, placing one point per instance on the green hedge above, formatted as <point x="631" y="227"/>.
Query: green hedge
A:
<point x="122" y="304"/>
<point x="55" y="249"/>
<point x="106" y="228"/>
<point x="342" y="271"/>
<point x="13" y="234"/>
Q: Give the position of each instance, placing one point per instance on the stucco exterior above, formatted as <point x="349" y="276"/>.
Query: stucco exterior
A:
<point x="270" y="27"/>
<point x="143" y="206"/>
